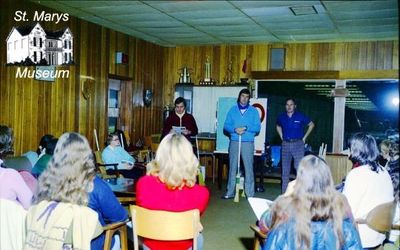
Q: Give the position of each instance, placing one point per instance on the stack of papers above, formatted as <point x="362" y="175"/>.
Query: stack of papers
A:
<point x="178" y="130"/>
<point x="259" y="205"/>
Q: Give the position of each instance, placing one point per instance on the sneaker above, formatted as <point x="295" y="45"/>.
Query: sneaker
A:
<point x="227" y="197"/>
<point x="260" y="189"/>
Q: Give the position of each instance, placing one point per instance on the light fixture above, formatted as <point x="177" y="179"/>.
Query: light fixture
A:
<point x="395" y="101"/>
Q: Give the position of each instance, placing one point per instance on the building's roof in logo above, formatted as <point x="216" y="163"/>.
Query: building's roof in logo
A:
<point x="25" y="30"/>
<point x="55" y="34"/>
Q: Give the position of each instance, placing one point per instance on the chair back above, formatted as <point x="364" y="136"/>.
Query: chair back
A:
<point x="101" y="167"/>
<point x="380" y="217"/>
<point x="165" y="225"/>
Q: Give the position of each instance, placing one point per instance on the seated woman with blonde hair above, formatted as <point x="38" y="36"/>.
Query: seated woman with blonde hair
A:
<point x="313" y="216"/>
<point x="170" y="185"/>
<point x="67" y="188"/>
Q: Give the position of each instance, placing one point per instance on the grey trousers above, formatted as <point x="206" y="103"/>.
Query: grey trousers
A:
<point x="290" y="150"/>
<point x="247" y="156"/>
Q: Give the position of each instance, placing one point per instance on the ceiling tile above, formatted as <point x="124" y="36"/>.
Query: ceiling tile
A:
<point x="171" y="23"/>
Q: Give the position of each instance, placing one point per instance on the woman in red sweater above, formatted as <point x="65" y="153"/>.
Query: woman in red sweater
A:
<point x="170" y="185"/>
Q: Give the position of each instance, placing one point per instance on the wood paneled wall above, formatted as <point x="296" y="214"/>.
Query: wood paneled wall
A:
<point x="34" y="108"/>
<point x="372" y="57"/>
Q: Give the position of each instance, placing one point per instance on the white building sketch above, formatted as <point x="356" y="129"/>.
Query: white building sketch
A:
<point x="56" y="47"/>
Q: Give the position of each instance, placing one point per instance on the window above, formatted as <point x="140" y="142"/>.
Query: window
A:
<point x="34" y="41"/>
<point x="41" y="55"/>
<point x="65" y="57"/>
<point x="70" y="44"/>
<point x="65" y="44"/>
<point x="22" y="43"/>
<point x="35" y="56"/>
<point x="41" y="42"/>
<point x="9" y="46"/>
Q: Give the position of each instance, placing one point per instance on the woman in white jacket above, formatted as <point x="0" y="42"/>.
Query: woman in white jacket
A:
<point x="367" y="185"/>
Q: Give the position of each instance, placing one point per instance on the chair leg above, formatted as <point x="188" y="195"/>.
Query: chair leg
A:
<point x="123" y="234"/>
<point x="256" y="242"/>
<point x="108" y="239"/>
<point x="213" y="168"/>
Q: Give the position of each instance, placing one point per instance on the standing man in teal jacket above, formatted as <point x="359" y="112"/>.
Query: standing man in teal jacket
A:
<point x="242" y="120"/>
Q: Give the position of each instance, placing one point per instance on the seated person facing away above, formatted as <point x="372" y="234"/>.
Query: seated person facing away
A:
<point x="114" y="153"/>
<point x="12" y="185"/>
<point x="180" y="118"/>
<point x="45" y="158"/>
<point x="390" y="152"/>
<point x="33" y="156"/>
<point x="312" y="216"/>
<point x="367" y="186"/>
<point x="170" y="185"/>
<point x="70" y="178"/>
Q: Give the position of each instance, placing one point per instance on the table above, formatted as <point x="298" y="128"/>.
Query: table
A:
<point x="124" y="190"/>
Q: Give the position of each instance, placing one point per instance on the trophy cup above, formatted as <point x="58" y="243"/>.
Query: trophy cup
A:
<point x="184" y="76"/>
<point x="207" y="74"/>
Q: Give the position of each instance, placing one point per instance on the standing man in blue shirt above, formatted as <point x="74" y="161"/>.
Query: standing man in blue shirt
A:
<point x="244" y="120"/>
<point x="290" y="127"/>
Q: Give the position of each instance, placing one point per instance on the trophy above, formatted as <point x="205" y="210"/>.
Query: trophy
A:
<point x="207" y="74"/>
<point x="184" y="76"/>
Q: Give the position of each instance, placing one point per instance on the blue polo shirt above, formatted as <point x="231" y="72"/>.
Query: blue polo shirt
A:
<point x="292" y="127"/>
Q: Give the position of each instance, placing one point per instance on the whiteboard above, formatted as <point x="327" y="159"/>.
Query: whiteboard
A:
<point x="205" y="101"/>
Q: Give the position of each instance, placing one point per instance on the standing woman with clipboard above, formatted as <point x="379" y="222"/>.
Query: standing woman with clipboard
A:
<point x="242" y="121"/>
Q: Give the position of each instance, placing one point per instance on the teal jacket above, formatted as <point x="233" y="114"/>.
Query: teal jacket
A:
<point x="250" y="119"/>
<point x="322" y="238"/>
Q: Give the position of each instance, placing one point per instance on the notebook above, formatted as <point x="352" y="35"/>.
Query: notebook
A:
<point x="259" y="205"/>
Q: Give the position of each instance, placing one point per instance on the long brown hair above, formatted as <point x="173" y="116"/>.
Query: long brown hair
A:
<point x="314" y="199"/>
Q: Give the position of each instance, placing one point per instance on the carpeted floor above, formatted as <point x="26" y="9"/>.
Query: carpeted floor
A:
<point x="226" y="223"/>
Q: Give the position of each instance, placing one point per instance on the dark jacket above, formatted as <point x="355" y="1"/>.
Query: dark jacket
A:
<point x="174" y="120"/>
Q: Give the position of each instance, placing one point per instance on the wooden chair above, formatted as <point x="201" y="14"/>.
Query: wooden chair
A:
<point x="113" y="228"/>
<point x="101" y="166"/>
<point x="164" y="225"/>
<point x="259" y="237"/>
<point x="380" y="217"/>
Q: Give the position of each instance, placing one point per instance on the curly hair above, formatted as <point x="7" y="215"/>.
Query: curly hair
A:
<point x="6" y="141"/>
<point x="175" y="163"/>
<point x="364" y="151"/>
<point x="314" y="199"/>
<point x="69" y="175"/>
<point x="389" y="147"/>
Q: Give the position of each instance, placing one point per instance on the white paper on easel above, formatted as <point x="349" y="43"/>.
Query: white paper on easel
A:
<point x="259" y="205"/>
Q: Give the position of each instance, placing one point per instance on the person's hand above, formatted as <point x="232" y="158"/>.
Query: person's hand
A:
<point x="186" y="132"/>
<point x="290" y="188"/>
<point x="128" y="166"/>
<point x="240" y="130"/>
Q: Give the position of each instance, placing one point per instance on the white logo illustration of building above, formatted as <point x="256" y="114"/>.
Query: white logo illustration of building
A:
<point x="39" y="46"/>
